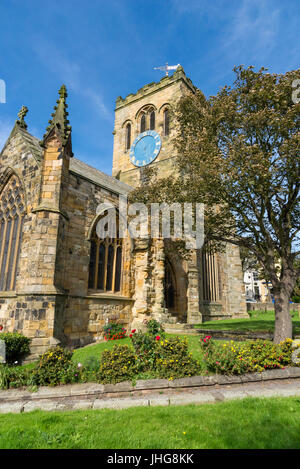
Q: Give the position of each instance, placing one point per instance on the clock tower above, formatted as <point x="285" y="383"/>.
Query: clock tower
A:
<point x="144" y="128"/>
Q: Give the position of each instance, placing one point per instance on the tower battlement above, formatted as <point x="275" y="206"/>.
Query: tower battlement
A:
<point x="154" y="87"/>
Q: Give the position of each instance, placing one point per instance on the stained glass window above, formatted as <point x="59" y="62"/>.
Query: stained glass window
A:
<point x="105" y="263"/>
<point x="12" y="209"/>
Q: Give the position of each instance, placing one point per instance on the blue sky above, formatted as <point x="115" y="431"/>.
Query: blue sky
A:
<point x="102" y="49"/>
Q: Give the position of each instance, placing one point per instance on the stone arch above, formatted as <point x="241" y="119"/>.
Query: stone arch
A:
<point x="164" y="106"/>
<point x="113" y="255"/>
<point x="178" y="270"/>
<point x="12" y="213"/>
<point x="146" y="109"/>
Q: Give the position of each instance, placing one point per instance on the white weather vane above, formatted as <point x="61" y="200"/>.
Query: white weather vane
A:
<point x="167" y="67"/>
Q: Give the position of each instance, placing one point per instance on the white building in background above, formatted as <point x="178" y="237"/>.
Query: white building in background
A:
<point x="257" y="289"/>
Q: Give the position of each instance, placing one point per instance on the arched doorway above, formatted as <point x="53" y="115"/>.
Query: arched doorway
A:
<point x="170" y="289"/>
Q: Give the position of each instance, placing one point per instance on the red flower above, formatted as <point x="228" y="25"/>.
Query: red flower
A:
<point x="130" y="335"/>
<point x="157" y="337"/>
<point x="1" y="327"/>
<point x="133" y="331"/>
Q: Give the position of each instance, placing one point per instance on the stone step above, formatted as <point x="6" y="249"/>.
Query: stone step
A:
<point x="179" y="328"/>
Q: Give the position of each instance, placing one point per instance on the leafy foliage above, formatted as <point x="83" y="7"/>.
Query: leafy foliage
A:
<point x="55" y="367"/>
<point x="17" y="346"/>
<point x="251" y="356"/>
<point x="14" y="377"/>
<point x="114" y="331"/>
<point x="154" y="328"/>
<point x="118" y="364"/>
<point x="144" y="344"/>
<point x="174" y="360"/>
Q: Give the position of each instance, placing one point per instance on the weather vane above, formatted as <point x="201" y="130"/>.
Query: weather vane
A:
<point x="166" y="68"/>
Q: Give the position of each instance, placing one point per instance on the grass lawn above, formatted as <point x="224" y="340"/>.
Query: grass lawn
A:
<point x="259" y="321"/>
<point x="248" y="424"/>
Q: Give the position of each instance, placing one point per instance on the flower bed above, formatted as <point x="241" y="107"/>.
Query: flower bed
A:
<point x="151" y="355"/>
<point x="114" y="331"/>
<point x="237" y="358"/>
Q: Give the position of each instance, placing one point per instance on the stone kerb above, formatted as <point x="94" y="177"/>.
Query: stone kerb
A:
<point x="125" y="394"/>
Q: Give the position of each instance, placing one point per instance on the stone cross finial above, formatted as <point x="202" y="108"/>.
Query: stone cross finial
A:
<point x="22" y="113"/>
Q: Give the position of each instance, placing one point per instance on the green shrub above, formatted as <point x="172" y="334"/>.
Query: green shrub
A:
<point x="295" y="299"/>
<point x="55" y="367"/>
<point x="17" y="346"/>
<point x="14" y="377"/>
<point x="173" y="359"/>
<point x="154" y="328"/>
<point x="118" y="364"/>
<point x="144" y="346"/>
<point x="254" y="355"/>
<point x="114" y="331"/>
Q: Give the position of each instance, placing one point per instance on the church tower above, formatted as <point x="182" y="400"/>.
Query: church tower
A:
<point x="144" y="128"/>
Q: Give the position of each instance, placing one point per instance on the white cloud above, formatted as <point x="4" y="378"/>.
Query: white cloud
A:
<point x="72" y="75"/>
<point x="253" y="29"/>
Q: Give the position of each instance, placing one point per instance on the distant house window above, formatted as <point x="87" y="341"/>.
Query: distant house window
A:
<point x="152" y="120"/>
<point x="143" y="123"/>
<point x="105" y="263"/>
<point x="12" y="209"/>
<point x="166" y="122"/>
<point x="128" y="136"/>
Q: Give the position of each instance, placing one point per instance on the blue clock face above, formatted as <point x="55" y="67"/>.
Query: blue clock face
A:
<point x="145" y="148"/>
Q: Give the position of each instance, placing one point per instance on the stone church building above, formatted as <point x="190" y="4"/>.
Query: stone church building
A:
<point x="59" y="282"/>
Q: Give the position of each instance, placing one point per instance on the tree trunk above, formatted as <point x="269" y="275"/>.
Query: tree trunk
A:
<point x="283" y="320"/>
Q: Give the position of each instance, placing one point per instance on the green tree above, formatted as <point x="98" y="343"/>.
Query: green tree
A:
<point x="238" y="153"/>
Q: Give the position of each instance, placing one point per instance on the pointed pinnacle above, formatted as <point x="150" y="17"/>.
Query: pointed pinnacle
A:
<point x="59" y="119"/>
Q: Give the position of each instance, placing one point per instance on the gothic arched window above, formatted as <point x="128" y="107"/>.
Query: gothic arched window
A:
<point x="105" y="262"/>
<point x="12" y="209"/>
<point x="152" y="120"/>
<point x="128" y="136"/>
<point x="166" y="122"/>
<point x="143" y="123"/>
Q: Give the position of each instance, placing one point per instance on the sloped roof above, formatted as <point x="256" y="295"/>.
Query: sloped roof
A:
<point x="32" y="143"/>
<point x="94" y="175"/>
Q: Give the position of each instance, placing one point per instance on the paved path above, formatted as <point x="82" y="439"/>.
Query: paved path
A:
<point x="168" y="397"/>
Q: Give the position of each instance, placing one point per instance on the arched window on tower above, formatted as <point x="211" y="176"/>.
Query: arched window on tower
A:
<point x="152" y="120"/>
<point x="143" y="123"/>
<point x="105" y="262"/>
<point x="166" y="122"/>
<point x="12" y="208"/>
<point x="128" y="136"/>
